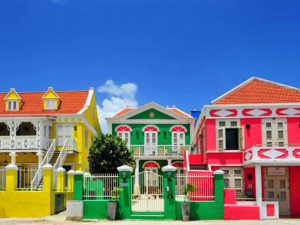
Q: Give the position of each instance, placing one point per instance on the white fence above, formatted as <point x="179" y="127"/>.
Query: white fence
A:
<point x="2" y="179"/>
<point x="101" y="186"/>
<point x="204" y="182"/>
<point x="25" y="177"/>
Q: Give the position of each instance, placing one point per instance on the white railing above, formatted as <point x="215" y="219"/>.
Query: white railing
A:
<point x="204" y="182"/>
<point x="101" y="186"/>
<point x="36" y="180"/>
<point x="159" y="150"/>
<point x="61" y="159"/>
<point x="270" y="154"/>
<point x="25" y="176"/>
<point x="23" y="142"/>
<point x="2" y="179"/>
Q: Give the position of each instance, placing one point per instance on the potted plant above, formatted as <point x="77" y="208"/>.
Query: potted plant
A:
<point x="185" y="206"/>
<point x="112" y="205"/>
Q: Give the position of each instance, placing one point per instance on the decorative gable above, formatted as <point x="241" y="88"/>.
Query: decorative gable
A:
<point x="13" y="101"/>
<point x="51" y="100"/>
<point x="152" y="114"/>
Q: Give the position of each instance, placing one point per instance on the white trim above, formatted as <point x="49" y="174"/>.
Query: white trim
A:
<point x="123" y="125"/>
<point x="185" y="130"/>
<point x="88" y="101"/>
<point x="248" y="81"/>
<point x="13" y="89"/>
<point x="181" y="112"/>
<point x="146" y="121"/>
<point x="150" y="126"/>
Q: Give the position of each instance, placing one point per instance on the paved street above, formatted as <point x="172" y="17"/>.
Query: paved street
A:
<point x="60" y="220"/>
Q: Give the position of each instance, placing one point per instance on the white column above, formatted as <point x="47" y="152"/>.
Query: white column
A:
<point x="169" y="161"/>
<point x="258" y="187"/>
<point x="40" y="157"/>
<point x="13" y="156"/>
<point x="136" y="178"/>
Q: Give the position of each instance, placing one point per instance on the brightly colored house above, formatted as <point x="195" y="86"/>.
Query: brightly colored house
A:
<point x="252" y="133"/>
<point x="157" y="136"/>
<point x="50" y="127"/>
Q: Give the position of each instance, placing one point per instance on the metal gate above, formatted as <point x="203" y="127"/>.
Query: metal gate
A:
<point x="147" y="192"/>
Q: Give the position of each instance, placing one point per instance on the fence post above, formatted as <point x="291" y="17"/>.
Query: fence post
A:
<point x="70" y="180"/>
<point x="219" y="192"/>
<point x="11" y="177"/>
<point x="48" y="186"/>
<point x="60" y="185"/>
<point x="125" y="191"/>
<point x="78" y="185"/>
<point x="169" y="191"/>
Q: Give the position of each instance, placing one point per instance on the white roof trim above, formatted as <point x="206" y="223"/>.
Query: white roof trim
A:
<point x="248" y="81"/>
<point x="146" y="107"/>
<point x="12" y="89"/>
<point x="87" y="102"/>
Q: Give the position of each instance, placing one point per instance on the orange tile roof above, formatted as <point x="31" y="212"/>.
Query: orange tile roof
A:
<point x="71" y="102"/>
<point x="124" y="111"/>
<point x="259" y="91"/>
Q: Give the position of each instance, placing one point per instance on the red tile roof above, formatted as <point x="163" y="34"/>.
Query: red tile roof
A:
<point x="123" y="112"/>
<point x="71" y="102"/>
<point x="175" y="110"/>
<point x="259" y="91"/>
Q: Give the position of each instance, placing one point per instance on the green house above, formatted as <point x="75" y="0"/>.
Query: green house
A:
<point x="157" y="136"/>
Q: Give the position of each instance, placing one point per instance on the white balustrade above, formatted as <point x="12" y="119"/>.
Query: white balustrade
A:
<point x="159" y="150"/>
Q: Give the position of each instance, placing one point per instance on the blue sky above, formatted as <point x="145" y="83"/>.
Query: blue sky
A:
<point x="185" y="52"/>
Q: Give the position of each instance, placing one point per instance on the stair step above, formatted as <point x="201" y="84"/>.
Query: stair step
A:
<point x="198" y="167"/>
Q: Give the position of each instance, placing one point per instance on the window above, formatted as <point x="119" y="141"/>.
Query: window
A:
<point x="178" y="140"/>
<point x="12" y="105"/>
<point x="64" y="132"/>
<point x="86" y="138"/>
<point x="234" y="179"/>
<point x="229" y="135"/>
<point x="50" y="104"/>
<point x="274" y="132"/>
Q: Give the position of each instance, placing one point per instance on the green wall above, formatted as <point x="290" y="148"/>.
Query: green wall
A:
<point x="96" y="209"/>
<point x="163" y="139"/>
<point x="156" y="115"/>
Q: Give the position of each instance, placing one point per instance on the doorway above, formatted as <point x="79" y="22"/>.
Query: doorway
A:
<point x="276" y="185"/>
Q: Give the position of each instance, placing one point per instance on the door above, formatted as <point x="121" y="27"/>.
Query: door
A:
<point x="150" y="143"/>
<point x="276" y="184"/>
<point x="178" y="141"/>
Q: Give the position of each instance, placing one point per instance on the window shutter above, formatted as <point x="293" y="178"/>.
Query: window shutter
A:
<point x="60" y="135"/>
<point x="221" y="138"/>
<point x="241" y="138"/>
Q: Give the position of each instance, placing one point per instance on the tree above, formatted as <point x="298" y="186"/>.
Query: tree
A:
<point x="109" y="152"/>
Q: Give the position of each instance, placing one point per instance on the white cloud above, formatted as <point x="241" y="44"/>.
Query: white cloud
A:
<point x="119" y="97"/>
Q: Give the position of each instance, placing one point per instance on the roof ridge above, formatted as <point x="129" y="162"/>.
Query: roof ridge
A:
<point x="26" y="92"/>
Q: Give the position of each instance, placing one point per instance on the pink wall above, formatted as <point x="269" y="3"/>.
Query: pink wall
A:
<point x="211" y="144"/>
<point x="293" y="130"/>
<point x="253" y="136"/>
<point x="294" y="190"/>
<point x="195" y="159"/>
<point x="247" y="172"/>
<point x="224" y="158"/>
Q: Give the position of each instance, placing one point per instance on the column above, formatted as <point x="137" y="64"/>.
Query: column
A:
<point x="48" y="187"/>
<point x="40" y="157"/>
<point x="125" y="191"/>
<point x="136" y="177"/>
<point x="169" y="191"/>
<point x="13" y="156"/>
<point x="70" y="180"/>
<point x="11" y="177"/>
<point x="219" y="194"/>
<point x="169" y="161"/>
<point x="258" y="187"/>
<point x="60" y="187"/>
<point x="78" y="185"/>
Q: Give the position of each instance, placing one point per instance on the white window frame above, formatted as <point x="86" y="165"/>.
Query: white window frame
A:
<point x="180" y="143"/>
<point x="232" y="177"/>
<point x="63" y="132"/>
<point x="274" y="140"/>
<point x="221" y="140"/>
<point x="50" y="104"/>
<point x="12" y="105"/>
<point x="123" y="134"/>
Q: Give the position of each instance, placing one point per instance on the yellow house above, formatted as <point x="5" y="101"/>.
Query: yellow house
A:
<point x="51" y="127"/>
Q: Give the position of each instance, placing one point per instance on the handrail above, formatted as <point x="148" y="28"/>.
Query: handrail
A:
<point x="60" y="161"/>
<point x="187" y="161"/>
<point x="38" y="175"/>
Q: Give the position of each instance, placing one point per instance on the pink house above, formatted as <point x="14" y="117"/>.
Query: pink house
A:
<point x="252" y="133"/>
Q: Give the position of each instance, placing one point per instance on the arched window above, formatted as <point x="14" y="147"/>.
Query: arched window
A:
<point x="123" y="131"/>
<point x="178" y="137"/>
<point x="150" y="139"/>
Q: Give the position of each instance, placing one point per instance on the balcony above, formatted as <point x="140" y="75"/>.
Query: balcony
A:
<point x="24" y="143"/>
<point x="287" y="155"/>
<point x="158" y="151"/>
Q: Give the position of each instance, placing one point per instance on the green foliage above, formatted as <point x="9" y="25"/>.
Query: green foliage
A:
<point x="109" y="152"/>
<point x="187" y="189"/>
<point x="114" y="193"/>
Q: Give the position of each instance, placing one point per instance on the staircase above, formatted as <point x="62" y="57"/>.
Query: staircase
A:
<point x="198" y="167"/>
<point x="53" y="157"/>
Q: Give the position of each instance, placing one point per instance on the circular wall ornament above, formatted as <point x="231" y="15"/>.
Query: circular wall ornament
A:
<point x="151" y="114"/>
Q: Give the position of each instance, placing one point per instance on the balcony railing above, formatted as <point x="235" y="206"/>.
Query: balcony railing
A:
<point x="31" y="142"/>
<point x="158" y="150"/>
<point x="288" y="154"/>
